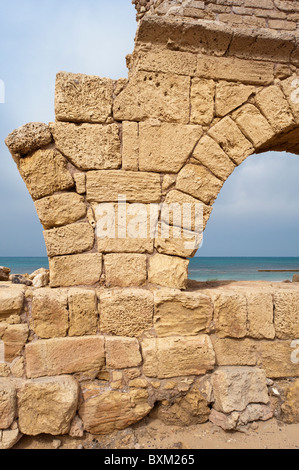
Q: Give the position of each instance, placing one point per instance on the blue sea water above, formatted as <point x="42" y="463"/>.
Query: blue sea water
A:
<point x="200" y="269"/>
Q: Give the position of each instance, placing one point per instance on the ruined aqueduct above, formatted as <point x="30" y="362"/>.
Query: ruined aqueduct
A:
<point x="120" y="333"/>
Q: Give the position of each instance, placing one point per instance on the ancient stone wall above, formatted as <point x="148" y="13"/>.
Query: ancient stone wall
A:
<point x="120" y="333"/>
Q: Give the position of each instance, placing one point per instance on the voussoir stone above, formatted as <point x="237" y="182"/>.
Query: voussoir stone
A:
<point x="28" y="138"/>
<point x="60" y="209"/>
<point x="47" y="405"/>
<point x="230" y="96"/>
<point x="210" y="154"/>
<point x="75" y="270"/>
<point x="199" y="182"/>
<point x="70" y="239"/>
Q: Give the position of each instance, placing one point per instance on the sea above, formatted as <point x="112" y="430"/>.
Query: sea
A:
<point x="200" y="268"/>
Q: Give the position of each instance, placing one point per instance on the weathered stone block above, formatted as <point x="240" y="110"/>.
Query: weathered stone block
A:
<point x="154" y="95"/>
<point x="168" y="271"/>
<point x="7" y="403"/>
<point x="181" y="313"/>
<point x="49" y="313"/>
<point x="260" y="315"/>
<point x="230" y="96"/>
<point x="11" y="301"/>
<point x="176" y="62"/>
<point x="75" y="270"/>
<point x="64" y="356"/>
<point x="286" y="318"/>
<point x="236" y="387"/>
<point x="202" y="101"/>
<point x="88" y="146"/>
<point x="14" y="338"/>
<point x="166" y="147"/>
<point x="47" y="405"/>
<point x="125" y="270"/>
<point x="60" y="209"/>
<point x="199" y="212"/>
<point x="290" y="408"/>
<point x="107" y="186"/>
<point x="28" y="138"/>
<point x="275" y="107"/>
<point x="277" y="359"/>
<point x="177" y="241"/>
<point x="82" y="312"/>
<point x="45" y="172"/>
<point x="130" y="146"/>
<point x="253" y="124"/>
<point x="235" y="352"/>
<point x="83" y="98"/>
<point x="210" y="154"/>
<point x="80" y="182"/>
<point x="122" y="352"/>
<point x="70" y="239"/>
<point x="230" y="313"/>
<point x="177" y="356"/>
<point x="199" y="182"/>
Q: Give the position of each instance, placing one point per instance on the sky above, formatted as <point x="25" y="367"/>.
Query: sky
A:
<point x="257" y="211"/>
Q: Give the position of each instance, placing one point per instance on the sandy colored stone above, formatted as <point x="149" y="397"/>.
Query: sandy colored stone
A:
<point x="125" y="270"/>
<point x="41" y="280"/>
<point x="168" y="182"/>
<point x="49" y="313"/>
<point x="107" y="186"/>
<point x="83" y="269"/>
<point x="235" y="352"/>
<point x="83" y="313"/>
<point x="28" y="138"/>
<point x="104" y="411"/>
<point x="174" y="62"/>
<point x="11" y="301"/>
<point x="14" y="338"/>
<point x="202" y="101"/>
<point x="200" y="212"/>
<point x="47" y="405"/>
<point x="224" y="421"/>
<point x="4" y="273"/>
<point x="275" y="108"/>
<point x="168" y="271"/>
<point x="88" y="146"/>
<point x="17" y="367"/>
<point x="286" y="317"/>
<point x="126" y="312"/>
<point x="77" y="429"/>
<point x="235" y="387"/>
<point x="9" y="438"/>
<point x="176" y="241"/>
<point x="138" y="383"/>
<point x="122" y="352"/>
<point x="166" y="147"/>
<point x="4" y="368"/>
<point x="70" y="239"/>
<point x="255" y="412"/>
<point x="211" y="155"/>
<point x="290" y="88"/>
<point x="177" y="356"/>
<point x="83" y="98"/>
<point x="130" y="146"/>
<point x="64" y="356"/>
<point x="154" y="95"/>
<point x="230" y="138"/>
<point x="80" y="182"/>
<point x="260" y="315"/>
<point x="60" y="209"/>
<point x="230" y="311"/>
<point x="199" y="182"/>
<point x="276" y="358"/>
<point x="45" y="172"/>
<point x="230" y="96"/>
<point x="181" y="313"/>
<point x="236" y="70"/>
<point x="290" y="407"/>
<point x="7" y="403"/>
<point x="253" y="124"/>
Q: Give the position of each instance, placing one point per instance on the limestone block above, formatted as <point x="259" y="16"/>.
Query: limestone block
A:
<point x="82" y="312"/>
<point x="88" y="146"/>
<point x="224" y="421"/>
<point x="181" y="313"/>
<point x="255" y="412"/>
<point x="166" y="147"/>
<point x="177" y="241"/>
<point x="197" y="217"/>
<point x="230" y="96"/>
<point x="60" y="209"/>
<point x="80" y="182"/>
<point x="236" y="70"/>
<point x="104" y="411"/>
<point x="130" y="146"/>
<point x="154" y="95"/>
<point x="125" y="270"/>
<point x="211" y="155"/>
<point x="7" y="403"/>
<point x="47" y="405"/>
<point x="235" y="352"/>
<point x="286" y="318"/>
<point x="64" y="356"/>
<point x="236" y="387"/>
<point x="230" y="313"/>
<point x="9" y="438"/>
<point x="290" y="87"/>
<point x="231" y="139"/>
<point x="168" y="271"/>
<point x="28" y="138"/>
<point x="45" y="172"/>
<point x="176" y="62"/>
<point x="127" y="312"/>
<point x="202" y="101"/>
<point x="83" y="98"/>
<point x="275" y="107"/>
<point x="177" y="356"/>
<point x="107" y="186"/>
<point x="14" y="338"/>
<point x="290" y="408"/>
<point x="74" y="270"/>
<point x="260" y="315"/>
<point x="122" y="352"/>
<point x="253" y="124"/>
<point x="199" y="182"/>
<point x="70" y="239"/>
<point x="49" y="313"/>
<point x="277" y="359"/>
<point x="11" y="301"/>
